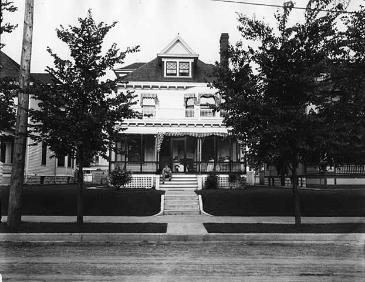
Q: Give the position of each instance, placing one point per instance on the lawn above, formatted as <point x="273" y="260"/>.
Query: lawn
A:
<point x="284" y="228"/>
<point x="262" y="201"/>
<point x="100" y="200"/>
<point x="46" y="227"/>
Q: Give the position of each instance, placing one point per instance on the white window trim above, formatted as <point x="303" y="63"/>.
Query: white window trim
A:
<point x="190" y="61"/>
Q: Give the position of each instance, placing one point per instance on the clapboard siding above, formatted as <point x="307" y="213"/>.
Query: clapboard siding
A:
<point x="35" y="167"/>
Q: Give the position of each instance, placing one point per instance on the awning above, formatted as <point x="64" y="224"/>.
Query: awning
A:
<point x="208" y="98"/>
<point x="189" y="99"/>
<point x="160" y="136"/>
<point x="176" y="130"/>
<point x="161" y="132"/>
<point x="148" y="99"/>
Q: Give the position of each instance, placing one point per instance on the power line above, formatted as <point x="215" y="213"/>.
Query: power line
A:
<point x="280" y="6"/>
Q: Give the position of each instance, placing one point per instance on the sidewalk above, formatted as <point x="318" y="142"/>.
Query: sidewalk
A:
<point x="185" y="228"/>
<point x="191" y="219"/>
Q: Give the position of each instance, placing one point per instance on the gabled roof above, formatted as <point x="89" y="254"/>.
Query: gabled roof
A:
<point x="131" y="66"/>
<point x="153" y="72"/>
<point x="8" y="67"/>
<point x="44" y="78"/>
<point x="177" y="48"/>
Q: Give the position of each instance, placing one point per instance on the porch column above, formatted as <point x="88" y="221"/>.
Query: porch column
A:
<point x="199" y="157"/>
<point x="185" y="148"/>
<point x="141" y="153"/>
<point x="230" y="154"/>
<point x="126" y="151"/>
<point x="109" y="158"/>
<point x="156" y="154"/>
<point x="215" y="151"/>
<point x="171" y="155"/>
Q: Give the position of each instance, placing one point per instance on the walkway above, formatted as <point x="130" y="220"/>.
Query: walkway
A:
<point x="191" y="225"/>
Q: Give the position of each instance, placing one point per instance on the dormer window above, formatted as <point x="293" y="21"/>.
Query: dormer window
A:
<point x="177" y="67"/>
<point x="171" y="68"/>
<point x="184" y="69"/>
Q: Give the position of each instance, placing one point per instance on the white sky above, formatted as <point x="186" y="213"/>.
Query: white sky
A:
<point x="152" y="24"/>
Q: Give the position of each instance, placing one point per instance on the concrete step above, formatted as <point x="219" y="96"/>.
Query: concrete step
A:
<point x="192" y="212"/>
<point x="182" y="203"/>
<point x="180" y="193"/>
<point x="195" y="183"/>
<point x="180" y="199"/>
<point x="182" y="175"/>
<point x="183" y="208"/>
<point x="177" y="187"/>
<point x="183" y="185"/>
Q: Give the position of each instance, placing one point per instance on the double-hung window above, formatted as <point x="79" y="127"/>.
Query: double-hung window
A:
<point x="178" y="68"/>
<point x="184" y="69"/>
<point x="171" y="68"/>
<point x="206" y="103"/>
<point x="148" y="103"/>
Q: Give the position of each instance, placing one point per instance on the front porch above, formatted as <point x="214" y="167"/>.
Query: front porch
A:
<point x="192" y="153"/>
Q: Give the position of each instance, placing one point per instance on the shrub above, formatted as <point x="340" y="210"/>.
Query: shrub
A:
<point x="211" y="182"/>
<point x="120" y="177"/>
<point x="233" y="178"/>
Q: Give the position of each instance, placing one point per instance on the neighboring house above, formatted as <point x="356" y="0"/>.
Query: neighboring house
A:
<point x="39" y="166"/>
<point x="178" y="128"/>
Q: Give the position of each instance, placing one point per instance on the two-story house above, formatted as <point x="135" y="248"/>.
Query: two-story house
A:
<point x="40" y="164"/>
<point x="179" y="127"/>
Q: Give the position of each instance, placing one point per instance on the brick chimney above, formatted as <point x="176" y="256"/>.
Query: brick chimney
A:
<point x="224" y="49"/>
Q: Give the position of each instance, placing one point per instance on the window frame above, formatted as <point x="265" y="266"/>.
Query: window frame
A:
<point x="178" y="61"/>
<point x="44" y="153"/>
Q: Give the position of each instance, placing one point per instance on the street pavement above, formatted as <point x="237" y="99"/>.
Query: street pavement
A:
<point x="203" y="261"/>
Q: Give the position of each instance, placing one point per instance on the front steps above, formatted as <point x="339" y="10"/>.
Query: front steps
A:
<point x="180" y="198"/>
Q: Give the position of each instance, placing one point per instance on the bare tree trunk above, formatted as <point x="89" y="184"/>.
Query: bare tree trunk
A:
<point x="296" y="197"/>
<point x="17" y="173"/>
<point x="80" y="193"/>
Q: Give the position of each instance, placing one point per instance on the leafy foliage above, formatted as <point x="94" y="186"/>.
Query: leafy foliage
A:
<point x="269" y="89"/>
<point x="6" y="6"/>
<point x="79" y="112"/>
<point x="7" y="107"/>
<point x="212" y="181"/>
<point x="120" y="177"/>
<point x="295" y="93"/>
<point x="343" y="112"/>
<point x="7" y="85"/>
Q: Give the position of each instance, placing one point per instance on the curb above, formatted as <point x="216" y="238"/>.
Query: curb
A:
<point x="201" y="206"/>
<point x="358" y="238"/>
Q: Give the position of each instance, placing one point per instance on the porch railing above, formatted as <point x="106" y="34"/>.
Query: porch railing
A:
<point x="187" y="167"/>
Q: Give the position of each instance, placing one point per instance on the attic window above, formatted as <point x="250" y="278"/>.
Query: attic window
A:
<point x="184" y="69"/>
<point x="171" y="68"/>
<point x="178" y="67"/>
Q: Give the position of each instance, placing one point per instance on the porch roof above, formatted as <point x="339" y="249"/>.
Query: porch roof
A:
<point x="177" y="130"/>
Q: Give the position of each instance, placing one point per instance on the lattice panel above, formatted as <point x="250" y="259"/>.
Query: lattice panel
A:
<point x="223" y="182"/>
<point x="140" y="182"/>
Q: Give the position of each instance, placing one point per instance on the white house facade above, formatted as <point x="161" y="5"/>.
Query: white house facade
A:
<point x="178" y="127"/>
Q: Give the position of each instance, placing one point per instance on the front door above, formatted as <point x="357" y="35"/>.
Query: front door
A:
<point x="180" y="153"/>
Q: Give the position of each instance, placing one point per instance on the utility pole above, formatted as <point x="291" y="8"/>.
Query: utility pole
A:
<point x="21" y="129"/>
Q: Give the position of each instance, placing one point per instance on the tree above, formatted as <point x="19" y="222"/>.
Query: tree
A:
<point x="7" y="84"/>
<point x="344" y="110"/>
<point x="6" y="6"/>
<point x="7" y="108"/>
<point x="272" y="82"/>
<point x="78" y="113"/>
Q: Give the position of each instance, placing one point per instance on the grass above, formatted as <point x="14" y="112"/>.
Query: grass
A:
<point x="263" y="201"/>
<point x="45" y="227"/>
<point x="284" y="228"/>
<point x="101" y="201"/>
